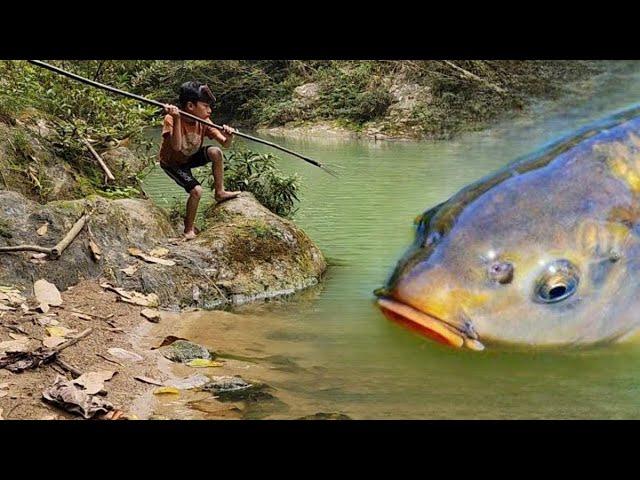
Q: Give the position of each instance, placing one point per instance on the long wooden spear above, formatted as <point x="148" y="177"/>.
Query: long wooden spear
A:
<point x="185" y="114"/>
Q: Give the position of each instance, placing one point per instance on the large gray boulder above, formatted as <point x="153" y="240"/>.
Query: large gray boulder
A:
<point x="245" y="253"/>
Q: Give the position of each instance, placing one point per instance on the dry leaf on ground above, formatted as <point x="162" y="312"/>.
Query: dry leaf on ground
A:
<point x="47" y="293"/>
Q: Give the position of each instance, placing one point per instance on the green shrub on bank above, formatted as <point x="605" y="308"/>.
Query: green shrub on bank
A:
<point x="258" y="173"/>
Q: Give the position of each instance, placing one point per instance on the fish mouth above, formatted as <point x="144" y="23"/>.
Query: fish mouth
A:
<point x="429" y="325"/>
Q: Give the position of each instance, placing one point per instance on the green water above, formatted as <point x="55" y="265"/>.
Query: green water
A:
<point x="348" y="358"/>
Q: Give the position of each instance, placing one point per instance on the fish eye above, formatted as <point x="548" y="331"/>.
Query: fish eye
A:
<point x="559" y="281"/>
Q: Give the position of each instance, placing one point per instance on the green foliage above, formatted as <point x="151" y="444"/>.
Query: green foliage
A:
<point x="236" y="84"/>
<point x="77" y="110"/>
<point x="353" y="92"/>
<point x="178" y="210"/>
<point x="115" y="192"/>
<point x="94" y="112"/>
<point x="258" y="173"/>
<point x="260" y="92"/>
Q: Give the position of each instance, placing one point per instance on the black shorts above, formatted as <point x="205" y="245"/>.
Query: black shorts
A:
<point x="182" y="175"/>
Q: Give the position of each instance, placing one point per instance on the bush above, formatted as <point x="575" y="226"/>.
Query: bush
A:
<point x="258" y="173"/>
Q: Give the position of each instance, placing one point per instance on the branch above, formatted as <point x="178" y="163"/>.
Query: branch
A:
<point x="73" y="340"/>
<point x="473" y="76"/>
<point x="97" y="156"/>
<point x="56" y="251"/>
<point x="69" y="237"/>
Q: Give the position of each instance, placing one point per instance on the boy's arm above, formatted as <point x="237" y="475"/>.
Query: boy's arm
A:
<point x="173" y="127"/>
<point x="223" y="139"/>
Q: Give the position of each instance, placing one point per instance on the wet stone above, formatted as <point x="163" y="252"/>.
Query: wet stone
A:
<point x="233" y="389"/>
<point x="326" y="416"/>
<point x="183" y="351"/>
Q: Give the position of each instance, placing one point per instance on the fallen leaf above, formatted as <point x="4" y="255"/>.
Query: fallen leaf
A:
<point x="165" y="390"/>
<point x="39" y="256"/>
<point x="59" y="331"/>
<point x="47" y="292"/>
<point x="159" y="252"/>
<point x="49" y="417"/>
<point x="24" y="307"/>
<point x="15" y="298"/>
<point x="43" y="307"/>
<point x="202" y="363"/>
<point x="69" y="397"/>
<point x="195" y="380"/>
<point x="131" y="269"/>
<point x="15" y="346"/>
<point x="141" y="300"/>
<point x="43" y="229"/>
<point x="149" y="380"/>
<point x="82" y="316"/>
<point x="151" y="315"/>
<point x="15" y="336"/>
<point x="136" y="252"/>
<point x="95" y="250"/>
<point x="120" y="291"/>
<point x="6" y="307"/>
<point x="44" y="321"/>
<point x="53" y="342"/>
<point x="93" y="382"/>
<point x="123" y="354"/>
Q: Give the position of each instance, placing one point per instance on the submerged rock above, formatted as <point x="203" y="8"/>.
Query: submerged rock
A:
<point x="233" y="389"/>
<point x="183" y="351"/>
<point x="326" y="416"/>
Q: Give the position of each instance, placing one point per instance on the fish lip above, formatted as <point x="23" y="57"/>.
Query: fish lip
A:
<point x="453" y="334"/>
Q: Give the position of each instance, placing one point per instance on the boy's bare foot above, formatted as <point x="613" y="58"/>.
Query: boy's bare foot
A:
<point x="190" y="235"/>
<point x="224" y="196"/>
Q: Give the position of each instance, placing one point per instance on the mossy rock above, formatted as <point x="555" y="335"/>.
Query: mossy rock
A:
<point x="183" y="351"/>
<point x="235" y="389"/>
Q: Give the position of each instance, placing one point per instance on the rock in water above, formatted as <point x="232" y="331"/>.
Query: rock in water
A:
<point x="231" y="389"/>
<point x="183" y="351"/>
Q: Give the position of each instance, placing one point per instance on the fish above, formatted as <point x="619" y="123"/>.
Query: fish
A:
<point x="544" y="252"/>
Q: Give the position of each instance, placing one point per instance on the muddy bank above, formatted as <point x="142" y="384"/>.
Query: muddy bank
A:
<point x="112" y="326"/>
<point x="244" y="253"/>
<point x="150" y="375"/>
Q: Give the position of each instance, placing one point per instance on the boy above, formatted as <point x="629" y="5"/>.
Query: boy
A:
<point x="182" y="148"/>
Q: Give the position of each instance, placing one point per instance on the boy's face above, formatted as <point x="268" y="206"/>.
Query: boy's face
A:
<point x="199" y="109"/>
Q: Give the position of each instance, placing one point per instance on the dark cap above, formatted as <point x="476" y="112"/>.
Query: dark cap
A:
<point x="195" y="92"/>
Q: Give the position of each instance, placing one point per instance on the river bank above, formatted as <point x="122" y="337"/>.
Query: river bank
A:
<point x="396" y="99"/>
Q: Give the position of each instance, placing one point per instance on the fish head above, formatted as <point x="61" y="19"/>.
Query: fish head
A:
<point x="532" y="262"/>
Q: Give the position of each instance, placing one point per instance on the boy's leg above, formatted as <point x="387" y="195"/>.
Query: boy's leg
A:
<point x="215" y="155"/>
<point x="192" y="208"/>
<point x="182" y="176"/>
